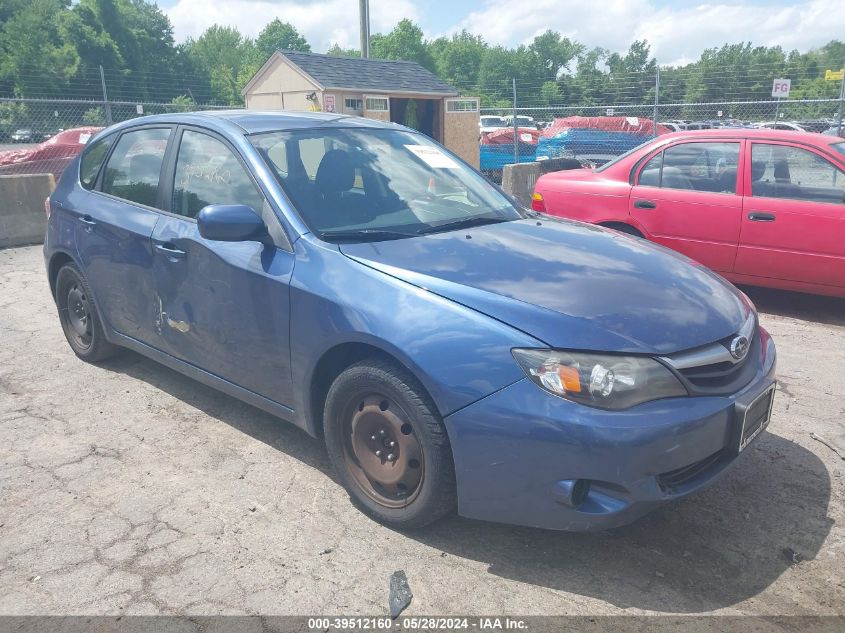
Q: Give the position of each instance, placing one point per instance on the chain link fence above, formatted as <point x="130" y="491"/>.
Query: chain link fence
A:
<point x="44" y="135"/>
<point x="596" y="134"/>
<point x="596" y="114"/>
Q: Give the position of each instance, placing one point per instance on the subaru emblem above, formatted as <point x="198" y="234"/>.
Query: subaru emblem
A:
<point x="739" y="347"/>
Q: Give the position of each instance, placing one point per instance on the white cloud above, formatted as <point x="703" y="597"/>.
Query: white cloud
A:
<point x="677" y="34"/>
<point x="323" y="22"/>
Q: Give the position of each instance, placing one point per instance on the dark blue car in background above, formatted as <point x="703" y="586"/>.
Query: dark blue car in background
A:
<point x="454" y="350"/>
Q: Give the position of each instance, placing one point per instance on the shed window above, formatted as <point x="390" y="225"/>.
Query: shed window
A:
<point x="378" y="104"/>
<point x="354" y="105"/>
<point x="462" y="105"/>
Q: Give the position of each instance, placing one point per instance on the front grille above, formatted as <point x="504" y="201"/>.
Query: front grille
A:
<point x="711" y="370"/>
<point x="672" y="480"/>
<point x="715" y="376"/>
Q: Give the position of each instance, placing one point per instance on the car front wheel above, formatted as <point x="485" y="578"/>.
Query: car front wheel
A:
<point x="389" y="446"/>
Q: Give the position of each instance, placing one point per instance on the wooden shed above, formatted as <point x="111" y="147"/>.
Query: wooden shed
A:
<point x="398" y="91"/>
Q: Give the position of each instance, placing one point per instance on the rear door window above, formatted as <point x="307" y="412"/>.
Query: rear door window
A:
<point x="786" y="171"/>
<point x="134" y="167"/>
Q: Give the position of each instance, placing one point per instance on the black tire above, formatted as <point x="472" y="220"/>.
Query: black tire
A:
<point x="372" y="393"/>
<point x="79" y="318"/>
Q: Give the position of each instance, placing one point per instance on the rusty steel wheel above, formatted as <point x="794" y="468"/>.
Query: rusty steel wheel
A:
<point x="382" y="453"/>
<point x="388" y="445"/>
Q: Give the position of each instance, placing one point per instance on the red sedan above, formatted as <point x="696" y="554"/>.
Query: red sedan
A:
<point x="761" y="207"/>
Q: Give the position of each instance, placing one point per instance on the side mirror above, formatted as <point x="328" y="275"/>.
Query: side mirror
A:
<point x="231" y="223"/>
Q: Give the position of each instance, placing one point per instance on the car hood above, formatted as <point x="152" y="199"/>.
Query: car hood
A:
<point x="568" y="284"/>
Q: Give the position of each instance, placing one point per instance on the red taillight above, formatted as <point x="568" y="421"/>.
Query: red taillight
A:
<point x="47" y="208"/>
<point x="537" y="202"/>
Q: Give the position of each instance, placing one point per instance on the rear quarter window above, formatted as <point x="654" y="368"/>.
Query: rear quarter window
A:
<point x="92" y="160"/>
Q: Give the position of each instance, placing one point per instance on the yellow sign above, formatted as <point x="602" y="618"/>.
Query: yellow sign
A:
<point x="834" y="75"/>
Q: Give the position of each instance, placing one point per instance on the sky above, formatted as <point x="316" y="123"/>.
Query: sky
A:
<point x="678" y="30"/>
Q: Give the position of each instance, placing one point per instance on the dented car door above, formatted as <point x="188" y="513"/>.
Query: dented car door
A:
<point x="219" y="305"/>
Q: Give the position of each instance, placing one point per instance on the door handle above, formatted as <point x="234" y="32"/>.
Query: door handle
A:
<point x="644" y="204"/>
<point x="88" y="223"/>
<point x="761" y="217"/>
<point x="170" y="251"/>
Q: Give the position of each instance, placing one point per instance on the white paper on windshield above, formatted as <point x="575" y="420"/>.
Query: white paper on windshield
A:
<point x="433" y="157"/>
<point x="83" y="138"/>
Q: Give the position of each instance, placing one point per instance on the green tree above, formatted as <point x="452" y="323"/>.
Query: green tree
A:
<point x="278" y="35"/>
<point x="457" y="59"/>
<point x="632" y="76"/>
<point x="222" y="52"/>
<point x="406" y="42"/>
<point x="550" y="93"/>
<point x="336" y="50"/>
<point x="554" y="53"/>
<point x="35" y="61"/>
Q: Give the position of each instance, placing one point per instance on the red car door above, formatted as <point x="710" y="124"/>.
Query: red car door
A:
<point x="685" y="197"/>
<point x="793" y="221"/>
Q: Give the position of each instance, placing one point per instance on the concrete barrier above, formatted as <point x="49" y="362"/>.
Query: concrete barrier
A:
<point x="519" y="180"/>
<point x="22" y="217"/>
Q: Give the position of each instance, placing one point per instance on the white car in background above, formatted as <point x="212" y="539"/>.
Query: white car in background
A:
<point x="781" y="125"/>
<point x="489" y="123"/>
<point x="521" y="121"/>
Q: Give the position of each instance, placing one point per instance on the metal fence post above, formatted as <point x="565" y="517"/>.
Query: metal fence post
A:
<point x="106" y="105"/>
<point x="656" y="96"/>
<point x="841" y="100"/>
<point x="515" y="138"/>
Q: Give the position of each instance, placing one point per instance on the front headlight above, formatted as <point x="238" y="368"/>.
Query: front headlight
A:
<point x="606" y="381"/>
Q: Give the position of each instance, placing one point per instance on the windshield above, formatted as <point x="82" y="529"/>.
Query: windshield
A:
<point x="839" y="147"/>
<point x="492" y="121"/>
<point x="370" y="184"/>
<point x="612" y="162"/>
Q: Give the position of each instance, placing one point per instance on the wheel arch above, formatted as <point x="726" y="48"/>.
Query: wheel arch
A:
<point x="623" y="227"/>
<point x="335" y="360"/>
<point x="57" y="260"/>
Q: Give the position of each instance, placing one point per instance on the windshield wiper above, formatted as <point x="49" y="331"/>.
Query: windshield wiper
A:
<point x="365" y="235"/>
<point x="463" y="223"/>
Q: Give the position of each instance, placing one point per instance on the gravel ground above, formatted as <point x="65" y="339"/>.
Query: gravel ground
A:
<point x="127" y="488"/>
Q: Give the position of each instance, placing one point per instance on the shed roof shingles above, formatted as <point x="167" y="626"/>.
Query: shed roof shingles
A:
<point x="369" y="74"/>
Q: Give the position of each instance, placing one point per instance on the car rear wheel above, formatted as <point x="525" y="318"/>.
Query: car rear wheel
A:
<point x="389" y="446"/>
<point x="78" y="316"/>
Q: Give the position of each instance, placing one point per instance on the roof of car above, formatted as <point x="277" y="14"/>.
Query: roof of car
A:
<point x="255" y="122"/>
<point x="753" y="133"/>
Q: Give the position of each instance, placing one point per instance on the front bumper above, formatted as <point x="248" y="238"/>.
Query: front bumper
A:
<point x="518" y="451"/>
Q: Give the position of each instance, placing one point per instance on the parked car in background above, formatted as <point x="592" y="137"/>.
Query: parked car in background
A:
<point x="697" y="125"/>
<point x="488" y="123"/>
<point x="521" y="121"/>
<point x="782" y="125"/>
<point x="26" y="135"/>
<point x="760" y="207"/>
<point x="454" y="350"/>
<point x="836" y="131"/>
<point x="49" y="157"/>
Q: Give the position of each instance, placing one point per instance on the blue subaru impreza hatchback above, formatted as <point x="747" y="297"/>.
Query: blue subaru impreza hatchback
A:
<point x="454" y="350"/>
